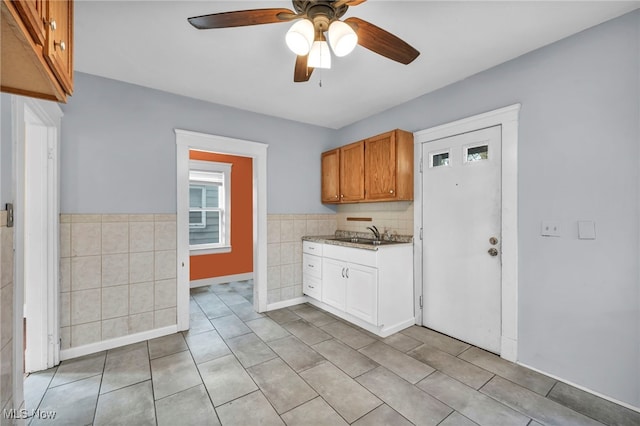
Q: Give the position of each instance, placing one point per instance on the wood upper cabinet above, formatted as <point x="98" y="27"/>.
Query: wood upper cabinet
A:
<point x="37" y="48"/>
<point x="379" y="168"/>
<point x="389" y="166"/>
<point x="331" y="176"/>
<point x="58" y="52"/>
<point x="352" y="172"/>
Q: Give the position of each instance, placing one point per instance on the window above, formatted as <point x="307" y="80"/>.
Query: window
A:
<point x="209" y="206"/>
<point x="439" y="160"/>
<point x="477" y="153"/>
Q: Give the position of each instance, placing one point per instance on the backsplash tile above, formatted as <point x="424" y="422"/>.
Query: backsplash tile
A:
<point x="117" y="275"/>
<point x="395" y="217"/>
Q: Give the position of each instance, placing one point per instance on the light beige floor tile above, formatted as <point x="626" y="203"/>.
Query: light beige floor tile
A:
<point x="126" y="366"/>
<point x="403" y="365"/>
<point x="316" y="411"/>
<point x="206" y="346"/>
<point x="295" y="353"/>
<point x="250" y="350"/>
<point x="306" y="332"/>
<point x="79" y="368"/>
<point x="173" y="373"/>
<point x="345" y="358"/>
<point x="225" y="379"/>
<point x="229" y="326"/>
<point x="190" y="407"/>
<point x="383" y="416"/>
<point x="348" y="334"/>
<point x="267" y="329"/>
<point x="252" y="409"/>
<point x="167" y="345"/>
<point x="436" y="340"/>
<point x="74" y="403"/>
<point x="127" y="406"/>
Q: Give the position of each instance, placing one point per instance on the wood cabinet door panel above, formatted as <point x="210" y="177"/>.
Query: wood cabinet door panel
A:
<point x="33" y="14"/>
<point x="352" y="172"/>
<point x="331" y="176"/>
<point x="380" y="166"/>
<point x="59" y="45"/>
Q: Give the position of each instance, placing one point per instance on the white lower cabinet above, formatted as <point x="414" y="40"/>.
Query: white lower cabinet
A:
<point x="371" y="288"/>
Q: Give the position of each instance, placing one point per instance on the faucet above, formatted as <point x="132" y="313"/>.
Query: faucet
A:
<point x="375" y="231"/>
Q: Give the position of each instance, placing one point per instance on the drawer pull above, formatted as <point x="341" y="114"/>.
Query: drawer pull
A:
<point x="310" y="265"/>
<point x="311" y="286"/>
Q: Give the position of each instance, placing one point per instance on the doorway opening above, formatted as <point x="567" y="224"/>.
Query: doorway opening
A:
<point x="256" y="154"/>
<point x="506" y="120"/>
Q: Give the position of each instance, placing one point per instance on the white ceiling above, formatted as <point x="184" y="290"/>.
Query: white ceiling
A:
<point x="150" y="43"/>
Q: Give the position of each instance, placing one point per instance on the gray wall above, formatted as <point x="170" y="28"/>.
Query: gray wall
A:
<point x="5" y="151"/>
<point x="118" y="149"/>
<point x="578" y="160"/>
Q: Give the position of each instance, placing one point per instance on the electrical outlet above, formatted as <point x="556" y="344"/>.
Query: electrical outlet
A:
<point x="550" y="229"/>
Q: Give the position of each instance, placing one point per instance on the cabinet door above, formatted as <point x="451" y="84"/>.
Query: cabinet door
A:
<point x="334" y="289"/>
<point x="380" y="167"/>
<point x="362" y="293"/>
<point x="331" y="176"/>
<point x="58" y="49"/>
<point x="352" y="172"/>
<point x="34" y="16"/>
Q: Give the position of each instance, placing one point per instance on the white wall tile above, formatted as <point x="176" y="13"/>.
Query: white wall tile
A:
<point x="83" y="334"/>
<point x="6" y="314"/>
<point x="86" y="239"/>
<point x="273" y="254"/>
<point x="85" y="306"/>
<point x="299" y="229"/>
<point x="273" y="296"/>
<point x="65" y="274"/>
<point x="273" y="231"/>
<point x="165" y="294"/>
<point x="65" y="240"/>
<point x="115" y="327"/>
<point x="286" y="276"/>
<point x="65" y="309"/>
<point x="313" y="227"/>
<point x="165" y="264"/>
<point x="65" y="337"/>
<point x="273" y="277"/>
<point x="115" y="237"/>
<point x="141" y="267"/>
<point x="115" y="301"/>
<point x="140" y="322"/>
<point x="107" y="218"/>
<point x="286" y="230"/>
<point x="115" y="269"/>
<point x="165" y="236"/>
<point x="141" y="236"/>
<point x="287" y="252"/>
<point x="86" y="272"/>
<point x="141" y="298"/>
<point x="164" y="317"/>
<point x="287" y="293"/>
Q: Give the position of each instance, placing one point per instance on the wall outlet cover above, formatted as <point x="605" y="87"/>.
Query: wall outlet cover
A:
<point x="586" y="230"/>
<point x="550" y="229"/>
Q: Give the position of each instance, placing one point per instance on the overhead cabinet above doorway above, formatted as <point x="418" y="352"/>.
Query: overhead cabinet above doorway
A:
<point x="376" y="169"/>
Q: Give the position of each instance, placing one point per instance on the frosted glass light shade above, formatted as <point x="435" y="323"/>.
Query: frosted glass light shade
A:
<point x="342" y="38"/>
<point x="300" y="37"/>
<point x="319" y="56"/>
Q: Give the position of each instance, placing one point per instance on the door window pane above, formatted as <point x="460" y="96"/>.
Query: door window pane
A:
<point x="438" y="160"/>
<point x="478" y="153"/>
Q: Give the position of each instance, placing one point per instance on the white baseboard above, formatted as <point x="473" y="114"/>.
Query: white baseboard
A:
<point x="221" y="280"/>
<point x="287" y="303"/>
<point x="598" y="394"/>
<point x="116" y="343"/>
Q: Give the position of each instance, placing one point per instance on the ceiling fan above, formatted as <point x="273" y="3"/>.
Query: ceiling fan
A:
<point x="306" y="38"/>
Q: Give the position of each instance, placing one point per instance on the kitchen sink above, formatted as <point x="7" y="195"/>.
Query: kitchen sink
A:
<point x="364" y="241"/>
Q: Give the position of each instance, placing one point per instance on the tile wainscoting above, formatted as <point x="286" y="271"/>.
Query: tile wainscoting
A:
<point x="6" y="315"/>
<point x="284" y="251"/>
<point x="117" y="275"/>
<point x="395" y="217"/>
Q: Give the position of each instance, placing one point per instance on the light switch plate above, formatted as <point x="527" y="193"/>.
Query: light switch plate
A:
<point x="586" y="230"/>
<point x="550" y="229"/>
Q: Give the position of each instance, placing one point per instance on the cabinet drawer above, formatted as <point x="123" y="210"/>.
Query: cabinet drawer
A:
<point x="312" y="248"/>
<point x="312" y="286"/>
<point x="312" y="265"/>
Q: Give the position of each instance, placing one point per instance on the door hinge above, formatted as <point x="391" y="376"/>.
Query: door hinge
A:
<point x="421" y="233"/>
<point x="420" y="302"/>
<point x="420" y="164"/>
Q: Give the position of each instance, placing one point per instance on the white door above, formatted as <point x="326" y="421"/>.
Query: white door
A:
<point x="461" y="242"/>
<point x="362" y="293"/>
<point x="334" y="283"/>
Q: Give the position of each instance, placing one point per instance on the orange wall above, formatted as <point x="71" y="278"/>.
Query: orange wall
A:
<point x="240" y="259"/>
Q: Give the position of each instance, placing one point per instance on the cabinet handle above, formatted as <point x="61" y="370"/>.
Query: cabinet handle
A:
<point x="347" y="272"/>
<point x="62" y="46"/>
<point x="53" y="25"/>
<point x="336" y="195"/>
<point x="341" y="195"/>
<point x="342" y="272"/>
<point x="391" y="191"/>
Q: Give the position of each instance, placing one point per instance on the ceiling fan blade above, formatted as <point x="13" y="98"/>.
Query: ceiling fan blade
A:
<point x="382" y="42"/>
<point x="301" y="73"/>
<point x="241" y="18"/>
<point x="348" y="2"/>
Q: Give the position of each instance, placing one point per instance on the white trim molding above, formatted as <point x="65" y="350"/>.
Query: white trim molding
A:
<point x="507" y="118"/>
<point x="220" y="280"/>
<point x="185" y="141"/>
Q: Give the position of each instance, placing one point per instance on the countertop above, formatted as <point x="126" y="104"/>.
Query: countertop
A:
<point x="394" y="240"/>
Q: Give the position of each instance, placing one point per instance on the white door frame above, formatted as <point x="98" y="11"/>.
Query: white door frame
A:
<point x="186" y="140"/>
<point x="507" y="118"/>
<point x="43" y="324"/>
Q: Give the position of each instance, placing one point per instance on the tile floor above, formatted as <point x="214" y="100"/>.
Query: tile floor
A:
<point x="302" y="366"/>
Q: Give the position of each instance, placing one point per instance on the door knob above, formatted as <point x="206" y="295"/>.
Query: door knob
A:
<point x="493" y="252"/>
<point x="493" y="241"/>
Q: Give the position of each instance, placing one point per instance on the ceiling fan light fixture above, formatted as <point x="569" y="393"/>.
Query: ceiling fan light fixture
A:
<point x="300" y="36"/>
<point x="342" y="38"/>
<point x="319" y="56"/>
